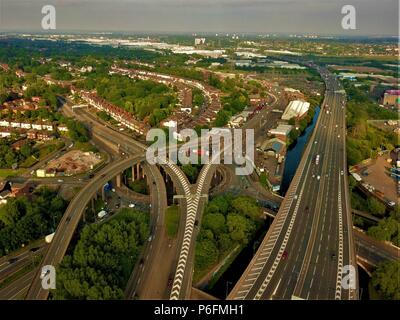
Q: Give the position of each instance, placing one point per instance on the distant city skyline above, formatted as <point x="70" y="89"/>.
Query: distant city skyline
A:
<point x="321" y="17"/>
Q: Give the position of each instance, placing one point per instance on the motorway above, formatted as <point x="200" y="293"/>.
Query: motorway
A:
<point x="17" y="289"/>
<point x="15" y="263"/>
<point x="304" y="252"/>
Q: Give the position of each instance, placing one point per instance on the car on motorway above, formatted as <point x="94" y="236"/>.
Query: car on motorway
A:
<point x="284" y="255"/>
<point x="318" y="177"/>
<point x="341" y="172"/>
<point x="170" y="281"/>
<point x="34" y="249"/>
<point x="131" y="205"/>
<point x="333" y="256"/>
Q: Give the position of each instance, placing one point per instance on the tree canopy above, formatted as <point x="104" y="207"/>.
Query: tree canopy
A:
<point x="103" y="259"/>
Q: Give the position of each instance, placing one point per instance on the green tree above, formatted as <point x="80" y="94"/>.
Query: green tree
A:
<point x="385" y="280"/>
<point x="215" y="222"/>
<point x="375" y="206"/>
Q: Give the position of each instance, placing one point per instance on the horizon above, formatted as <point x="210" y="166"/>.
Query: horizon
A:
<point x="285" y="17"/>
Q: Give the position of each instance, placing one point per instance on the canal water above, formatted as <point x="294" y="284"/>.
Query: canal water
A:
<point x="295" y="151"/>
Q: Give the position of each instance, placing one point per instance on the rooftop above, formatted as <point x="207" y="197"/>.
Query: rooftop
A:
<point x="295" y="109"/>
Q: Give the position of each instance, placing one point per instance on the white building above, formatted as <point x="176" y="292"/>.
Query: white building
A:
<point x="4" y="134"/>
<point x="47" y="127"/>
<point x="281" y="130"/>
<point x="36" y="126"/>
<point x="25" y="125"/>
<point x="62" y="129"/>
<point x="295" y="109"/>
<point x="199" y="41"/>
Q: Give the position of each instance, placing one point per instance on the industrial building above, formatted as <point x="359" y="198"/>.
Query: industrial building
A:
<point x="282" y="131"/>
<point x="295" y="109"/>
<point x="391" y="98"/>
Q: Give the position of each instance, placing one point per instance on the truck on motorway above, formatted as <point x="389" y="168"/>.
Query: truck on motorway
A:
<point x="317" y="159"/>
<point x="102" y="214"/>
<point x="49" y="237"/>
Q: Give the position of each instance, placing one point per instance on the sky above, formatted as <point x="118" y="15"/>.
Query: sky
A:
<point x="373" y="17"/>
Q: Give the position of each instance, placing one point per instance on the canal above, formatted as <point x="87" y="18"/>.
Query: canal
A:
<point x="293" y="156"/>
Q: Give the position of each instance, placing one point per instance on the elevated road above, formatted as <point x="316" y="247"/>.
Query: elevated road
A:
<point x="71" y="218"/>
<point x="304" y="253"/>
<point x="74" y="212"/>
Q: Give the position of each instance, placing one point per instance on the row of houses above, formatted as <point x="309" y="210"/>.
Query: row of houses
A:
<point x="119" y="114"/>
<point x="29" y="134"/>
<point x="28" y="125"/>
<point x="211" y="94"/>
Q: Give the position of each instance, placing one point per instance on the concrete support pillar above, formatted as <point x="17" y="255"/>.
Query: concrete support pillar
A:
<point x="138" y="171"/>
<point x="133" y="173"/>
<point x="119" y="180"/>
<point x="125" y="178"/>
<point x="103" y="194"/>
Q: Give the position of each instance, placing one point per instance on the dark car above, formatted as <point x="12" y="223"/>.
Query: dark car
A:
<point x="35" y="249"/>
<point x="333" y="256"/>
<point x="284" y="255"/>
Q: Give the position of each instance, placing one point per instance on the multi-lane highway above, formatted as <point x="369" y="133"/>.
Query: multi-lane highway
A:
<point x="310" y="242"/>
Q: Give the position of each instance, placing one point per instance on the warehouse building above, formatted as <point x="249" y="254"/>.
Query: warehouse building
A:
<point x="296" y="109"/>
